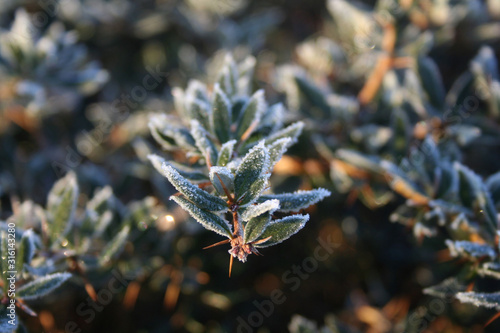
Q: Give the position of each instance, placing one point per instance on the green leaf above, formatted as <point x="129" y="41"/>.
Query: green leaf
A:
<point x="207" y="219"/>
<point x="293" y="202"/>
<point x="474" y="195"/>
<point x="61" y="206"/>
<point x="257" y="218"/>
<point x="470" y="249"/>
<point x="251" y="113"/>
<point x="280" y="230"/>
<point x="170" y="135"/>
<point x="203" y="142"/>
<point x="226" y="153"/>
<point x="221" y="115"/>
<point x="315" y="96"/>
<point x="202" y="198"/>
<point x="255" y="190"/>
<point x="218" y="174"/>
<point x="191" y="174"/>
<point x="26" y="250"/>
<point x="42" y="286"/>
<point x="276" y="151"/>
<point x="432" y="81"/>
<point x="252" y="167"/>
<point x="486" y="300"/>
<point x="293" y="131"/>
<point x="199" y="110"/>
<point x="115" y="246"/>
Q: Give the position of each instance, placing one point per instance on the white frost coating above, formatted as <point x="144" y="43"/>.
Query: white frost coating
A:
<point x="202" y="199"/>
<point x="487" y="300"/>
<point x="225" y="176"/>
<point x="293" y="131"/>
<point x="252" y="112"/>
<point x="277" y="149"/>
<point x="200" y="136"/>
<point x="208" y="220"/>
<point x="226" y="153"/>
<point x="421" y="230"/>
<point x="282" y="229"/>
<point x="253" y="166"/>
<point x="253" y="211"/>
<point x="469" y="249"/>
<point x="196" y="89"/>
<point x="42" y="286"/>
<point x="293" y="202"/>
<point x="104" y="194"/>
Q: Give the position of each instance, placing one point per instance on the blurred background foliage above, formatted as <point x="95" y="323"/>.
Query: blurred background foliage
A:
<point x="401" y="102"/>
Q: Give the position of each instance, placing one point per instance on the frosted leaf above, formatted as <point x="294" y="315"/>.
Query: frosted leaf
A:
<point x="218" y="174"/>
<point x="277" y="149"/>
<point x="273" y="118"/>
<point x="226" y="153"/>
<point x="251" y="113"/>
<point x="26" y="250"/>
<point x="421" y="230"/>
<point x="170" y="135"/>
<point x="487" y="300"/>
<point x="293" y="131"/>
<point x="446" y="289"/>
<point x="202" y="198"/>
<point x="474" y="195"/>
<point x="220" y="117"/>
<point x="199" y="110"/>
<point x="293" y="202"/>
<point x="208" y="220"/>
<point x="470" y="249"/>
<point x="192" y="174"/>
<point x="255" y="190"/>
<point x="253" y="211"/>
<point x="252" y="167"/>
<point x="41" y="286"/>
<point x="203" y="142"/>
<point x="61" y="206"/>
<point x="280" y="230"/>
<point x="198" y="90"/>
<point x="115" y="246"/>
<point x="491" y="269"/>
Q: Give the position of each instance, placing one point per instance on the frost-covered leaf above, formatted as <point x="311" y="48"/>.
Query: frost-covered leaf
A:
<point x="491" y="269"/>
<point x="315" y="96"/>
<point x="470" y="249"/>
<point x="446" y="289"/>
<point x="191" y="174"/>
<point x="224" y="175"/>
<point x="41" y="286"/>
<point x="61" y="206"/>
<point x="221" y="115"/>
<point x="26" y="250"/>
<point x="251" y="114"/>
<point x="252" y="167"/>
<point x="226" y="153"/>
<point x="293" y="131"/>
<point x="207" y="219"/>
<point x="114" y="247"/>
<point x="401" y="184"/>
<point x="487" y="300"/>
<point x="257" y="218"/>
<point x="493" y="185"/>
<point x="293" y="202"/>
<point x="432" y="81"/>
<point x="195" y="194"/>
<point x="277" y="149"/>
<point x="474" y="194"/>
<point x="280" y="230"/>
<point x="170" y="135"/>
<point x="255" y="190"/>
<point x="200" y="111"/>
<point x="203" y="142"/>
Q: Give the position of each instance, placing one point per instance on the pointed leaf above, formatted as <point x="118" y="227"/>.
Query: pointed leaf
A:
<point x="226" y="153"/>
<point x="191" y="174"/>
<point x="251" y="114"/>
<point x="169" y="135"/>
<point x="432" y="81"/>
<point x="202" y="198"/>
<point x="218" y="174"/>
<point x="42" y="286"/>
<point x="293" y="131"/>
<point x="203" y="142"/>
<point x="280" y="230"/>
<point x="470" y="249"/>
<point x="61" y="206"/>
<point x="252" y="167"/>
<point x="221" y="115"/>
<point x="115" y="246"/>
<point x="293" y="202"/>
<point x="487" y="300"/>
<point x="277" y="149"/>
<point x="258" y="218"/>
<point x="26" y="250"/>
<point x="207" y="219"/>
